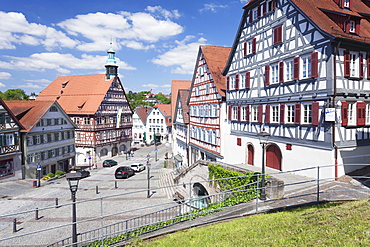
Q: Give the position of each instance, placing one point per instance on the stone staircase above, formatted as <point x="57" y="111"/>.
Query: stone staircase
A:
<point x="166" y="177"/>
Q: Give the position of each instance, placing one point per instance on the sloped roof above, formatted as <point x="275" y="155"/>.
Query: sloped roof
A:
<point x="6" y="107"/>
<point x="176" y="85"/>
<point x="315" y="10"/>
<point x="142" y="112"/>
<point x="183" y="97"/>
<point x="84" y="92"/>
<point x="29" y="112"/>
<point x="166" y="111"/>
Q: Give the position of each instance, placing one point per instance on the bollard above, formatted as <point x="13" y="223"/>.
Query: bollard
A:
<point x="37" y="214"/>
<point x="115" y="185"/>
<point x="56" y="203"/>
<point x="97" y="190"/>
<point x="15" y="225"/>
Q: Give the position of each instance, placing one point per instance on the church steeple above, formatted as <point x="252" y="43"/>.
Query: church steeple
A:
<point x="111" y="68"/>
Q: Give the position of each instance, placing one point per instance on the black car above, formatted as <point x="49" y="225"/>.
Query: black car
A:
<point x="109" y="163"/>
<point x="84" y="173"/>
<point x="124" y="172"/>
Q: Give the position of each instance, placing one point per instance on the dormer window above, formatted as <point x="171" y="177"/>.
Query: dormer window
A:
<point x="352" y="27"/>
<point x="346" y="4"/>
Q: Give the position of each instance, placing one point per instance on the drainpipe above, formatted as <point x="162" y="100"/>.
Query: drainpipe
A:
<point x="336" y="173"/>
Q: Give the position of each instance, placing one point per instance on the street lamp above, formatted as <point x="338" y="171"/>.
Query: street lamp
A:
<point x="148" y="167"/>
<point x="263" y="136"/>
<point x="73" y="178"/>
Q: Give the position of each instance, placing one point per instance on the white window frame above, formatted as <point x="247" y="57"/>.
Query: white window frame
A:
<point x="289" y="70"/>
<point x="352" y="26"/>
<point x="254" y="113"/>
<point x="249" y="49"/>
<point x="306" y="67"/>
<point x="242" y="82"/>
<point x="367" y="114"/>
<point x="232" y="82"/>
<point x="354" y="64"/>
<point x="243" y="113"/>
<point x="234" y="113"/>
<point x="207" y="89"/>
<point x="289" y="112"/>
<point x="352" y="113"/>
<point x="275" y="112"/>
<point x="87" y="121"/>
<point x="255" y="14"/>
<point x="307" y="114"/>
<point x="346" y="3"/>
<point x="269" y="5"/>
<point x="274" y="73"/>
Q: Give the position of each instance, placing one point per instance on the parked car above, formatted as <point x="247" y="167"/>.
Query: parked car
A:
<point x="124" y="172"/>
<point x="84" y="173"/>
<point x="109" y="163"/>
<point x="152" y="142"/>
<point x="138" y="167"/>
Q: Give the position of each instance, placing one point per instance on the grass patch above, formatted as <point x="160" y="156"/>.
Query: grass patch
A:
<point x="333" y="224"/>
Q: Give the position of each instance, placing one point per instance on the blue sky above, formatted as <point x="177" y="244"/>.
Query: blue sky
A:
<point x="155" y="41"/>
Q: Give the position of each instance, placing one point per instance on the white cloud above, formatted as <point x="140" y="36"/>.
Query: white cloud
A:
<point x="137" y="45"/>
<point x="30" y="85"/>
<point x="15" y="29"/>
<point x="182" y="56"/>
<point x="212" y="7"/>
<point x="150" y="85"/>
<point x="124" y="27"/>
<point x="43" y="81"/>
<point x="5" y="75"/>
<point x="162" y="12"/>
<point x="2" y="85"/>
<point x="60" y="62"/>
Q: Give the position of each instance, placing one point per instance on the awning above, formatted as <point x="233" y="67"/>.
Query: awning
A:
<point x="178" y="158"/>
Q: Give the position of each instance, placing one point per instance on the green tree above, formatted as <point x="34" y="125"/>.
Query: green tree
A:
<point x="14" y="94"/>
<point x="161" y="97"/>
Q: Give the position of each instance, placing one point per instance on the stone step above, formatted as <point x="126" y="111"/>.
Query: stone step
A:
<point x="166" y="180"/>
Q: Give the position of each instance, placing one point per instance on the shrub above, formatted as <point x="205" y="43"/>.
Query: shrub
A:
<point x="59" y="173"/>
<point x="50" y="175"/>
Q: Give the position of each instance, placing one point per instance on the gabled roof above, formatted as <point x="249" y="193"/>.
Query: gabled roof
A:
<point x="29" y="112"/>
<point x="216" y="58"/>
<point x="80" y="94"/>
<point x="6" y="107"/>
<point x="316" y="9"/>
<point x="175" y="86"/>
<point x="143" y="112"/>
<point x="182" y="97"/>
<point x="166" y="111"/>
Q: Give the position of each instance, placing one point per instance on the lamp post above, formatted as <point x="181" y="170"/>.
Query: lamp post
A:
<point x="148" y="167"/>
<point x="263" y="137"/>
<point x="73" y="178"/>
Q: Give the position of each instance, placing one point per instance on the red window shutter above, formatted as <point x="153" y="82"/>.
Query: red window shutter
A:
<point x="248" y="80"/>
<point x="267" y="75"/>
<point x="347" y="63"/>
<point x="259" y="117"/>
<point x="239" y="141"/>
<point x="248" y="113"/>
<point x="245" y="48"/>
<point x="296" y="68"/>
<point x="264" y="8"/>
<point x="267" y="114"/>
<point x="278" y="33"/>
<point x="259" y="11"/>
<point x="227" y="82"/>
<point x="361" y="109"/>
<point x="357" y="27"/>
<point x="297" y="113"/>
<point x="282" y="113"/>
<point x="281" y="72"/>
<point x="230" y="112"/>
<point x="350" y="4"/>
<point x="342" y="4"/>
<point x="254" y="45"/>
<point x="237" y="81"/>
<point x="344" y="113"/>
<point x="368" y="66"/>
<point x="315" y="64"/>
<point x="274" y="4"/>
<point x="315" y="113"/>
<point x="239" y="113"/>
<point x="361" y="64"/>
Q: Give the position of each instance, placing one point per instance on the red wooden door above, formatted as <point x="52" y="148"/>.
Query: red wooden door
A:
<point x="273" y="157"/>
<point x="250" y="155"/>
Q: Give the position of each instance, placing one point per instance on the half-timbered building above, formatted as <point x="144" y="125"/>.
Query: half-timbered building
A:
<point x="301" y="70"/>
<point x="180" y="130"/>
<point x="10" y="148"/>
<point x="99" y="107"/>
<point x="158" y="123"/>
<point x="207" y="104"/>
<point x="47" y="138"/>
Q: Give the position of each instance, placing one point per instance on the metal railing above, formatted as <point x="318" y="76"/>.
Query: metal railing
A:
<point x="121" y="226"/>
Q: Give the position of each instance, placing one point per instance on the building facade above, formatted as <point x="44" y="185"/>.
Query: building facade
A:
<point x="99" y="107"/>
<point x="139" y="124"/>
<point x="158" y="123"/>
<point x="300" y="71"/>
<point x="47" y="139"/>
<point x="207" y="104"/>
<point x="10" y="148"/>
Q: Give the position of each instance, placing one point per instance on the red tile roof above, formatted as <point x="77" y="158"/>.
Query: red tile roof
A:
<point x="6" y="107"/>
<point x="166" y="111"/>
<point x="183" y="97"/>
<point x="176" y="85"/>
<point x="84" y="92"/>
<point x="216" y="58"/>
<point x="29" y="112"/>
<point x="143" y="112"/>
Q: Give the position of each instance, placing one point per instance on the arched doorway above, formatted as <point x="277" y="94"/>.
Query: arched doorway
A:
<point x="200" y="196"/>
<point x="250" y="160"/>
<point x="273" y="157"/>
<point x="114" y="151"/>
